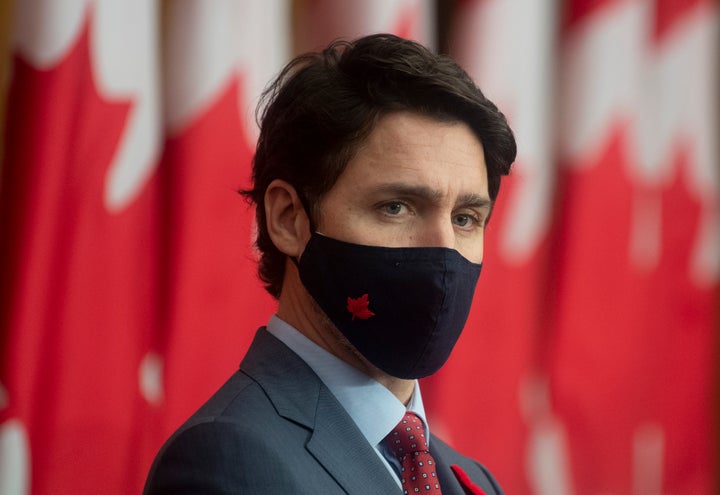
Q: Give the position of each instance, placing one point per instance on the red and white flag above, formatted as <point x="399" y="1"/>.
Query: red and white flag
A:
<point x="592" y="348"/>
<point x="637" y="257"/>
<point x="321" y="21"/>
<point x="219" y="56"/>
<point x="80" y="245"/>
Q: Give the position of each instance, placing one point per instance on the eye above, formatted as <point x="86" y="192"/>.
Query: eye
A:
<point x="465" y="220"/>
<point x="394" y="208"/>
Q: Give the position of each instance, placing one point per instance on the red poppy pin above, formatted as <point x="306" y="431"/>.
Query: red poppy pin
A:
<point x="470" y="487"/>
<point x="358" y="308"/>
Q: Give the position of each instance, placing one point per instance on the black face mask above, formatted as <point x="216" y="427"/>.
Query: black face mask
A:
<point x="403" y="309"/>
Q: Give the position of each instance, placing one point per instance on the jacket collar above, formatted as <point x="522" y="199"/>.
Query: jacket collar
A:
<point x="299" y="396"/>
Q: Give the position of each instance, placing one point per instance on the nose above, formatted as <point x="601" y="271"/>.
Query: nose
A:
<point x="442" y="233"/>
<point x="438" y="233"/>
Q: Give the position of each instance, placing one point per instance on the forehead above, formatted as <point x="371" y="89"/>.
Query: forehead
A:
<point x="419" y="150"/>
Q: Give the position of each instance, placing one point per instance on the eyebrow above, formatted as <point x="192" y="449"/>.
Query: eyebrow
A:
<point x="474" y="200"/>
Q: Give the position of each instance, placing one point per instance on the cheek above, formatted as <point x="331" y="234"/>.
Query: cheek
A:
<point x="472" y="249"/>
<point x="342" y="223"/>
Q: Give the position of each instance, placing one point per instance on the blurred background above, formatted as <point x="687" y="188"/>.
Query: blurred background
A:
<point x="127" y="274"/>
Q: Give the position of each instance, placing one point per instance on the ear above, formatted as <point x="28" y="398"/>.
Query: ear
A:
<point x="287" y="222"/>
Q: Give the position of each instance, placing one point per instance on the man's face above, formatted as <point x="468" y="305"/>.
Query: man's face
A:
<point x="416" y="182"/>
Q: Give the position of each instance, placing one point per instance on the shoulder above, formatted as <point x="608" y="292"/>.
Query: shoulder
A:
<point x="231" y="441"/>
<point x="211" y="456"/>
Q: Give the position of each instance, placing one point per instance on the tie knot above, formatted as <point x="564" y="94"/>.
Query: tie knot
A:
<point x="408" y="436"/>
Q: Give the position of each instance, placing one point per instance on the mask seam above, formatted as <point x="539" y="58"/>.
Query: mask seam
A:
<point x="433" y="334"/>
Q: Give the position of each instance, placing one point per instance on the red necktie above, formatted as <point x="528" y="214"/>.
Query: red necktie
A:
<point x="417" y="467"/>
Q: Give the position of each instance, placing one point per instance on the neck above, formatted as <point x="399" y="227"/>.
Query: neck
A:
<point x="402" y="389"/>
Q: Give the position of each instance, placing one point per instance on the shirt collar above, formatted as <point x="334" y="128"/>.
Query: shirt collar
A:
<point x="373" y="408"/>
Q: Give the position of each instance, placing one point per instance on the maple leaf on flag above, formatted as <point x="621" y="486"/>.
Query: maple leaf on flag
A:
<point x="359" y="307"/>
<point x="78" y="278"/>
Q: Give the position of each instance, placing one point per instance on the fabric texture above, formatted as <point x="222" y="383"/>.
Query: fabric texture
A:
<point x="402" y="308"/>
<point x="417" y="466"/>
<point x="274" y="428"/>
<point x="372" y="407"/>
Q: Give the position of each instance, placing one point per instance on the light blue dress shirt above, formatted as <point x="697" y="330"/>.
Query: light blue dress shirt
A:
<point x="373" y="408"/>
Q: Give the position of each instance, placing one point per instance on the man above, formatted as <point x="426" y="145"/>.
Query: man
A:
<point x="375" y="174"/>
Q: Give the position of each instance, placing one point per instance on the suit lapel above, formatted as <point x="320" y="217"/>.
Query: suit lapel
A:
<point x="339" y="445"/>
<point x="448" y="481"/>
<point x="289" y="383"/>
<point x="299" y="395"/>
<point x="445" y="457"/>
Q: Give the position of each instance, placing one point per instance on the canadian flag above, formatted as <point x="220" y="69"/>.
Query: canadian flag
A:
<point x="321" y="21"/>
<point x="637" y="256"/>
<point x="79" y="223"/>
<point x="128" y="275"/>
<point x="219" y="57"/>
<point x="591" y="342"/>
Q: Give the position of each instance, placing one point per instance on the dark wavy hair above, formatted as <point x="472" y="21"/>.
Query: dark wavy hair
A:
<point x="316" y="114"/>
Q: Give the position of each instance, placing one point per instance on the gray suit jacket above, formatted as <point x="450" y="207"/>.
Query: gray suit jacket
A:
<point x="274" y="428"/>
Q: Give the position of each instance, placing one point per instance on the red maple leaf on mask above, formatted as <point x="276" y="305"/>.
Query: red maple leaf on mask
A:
<point x="359" y="307"/>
